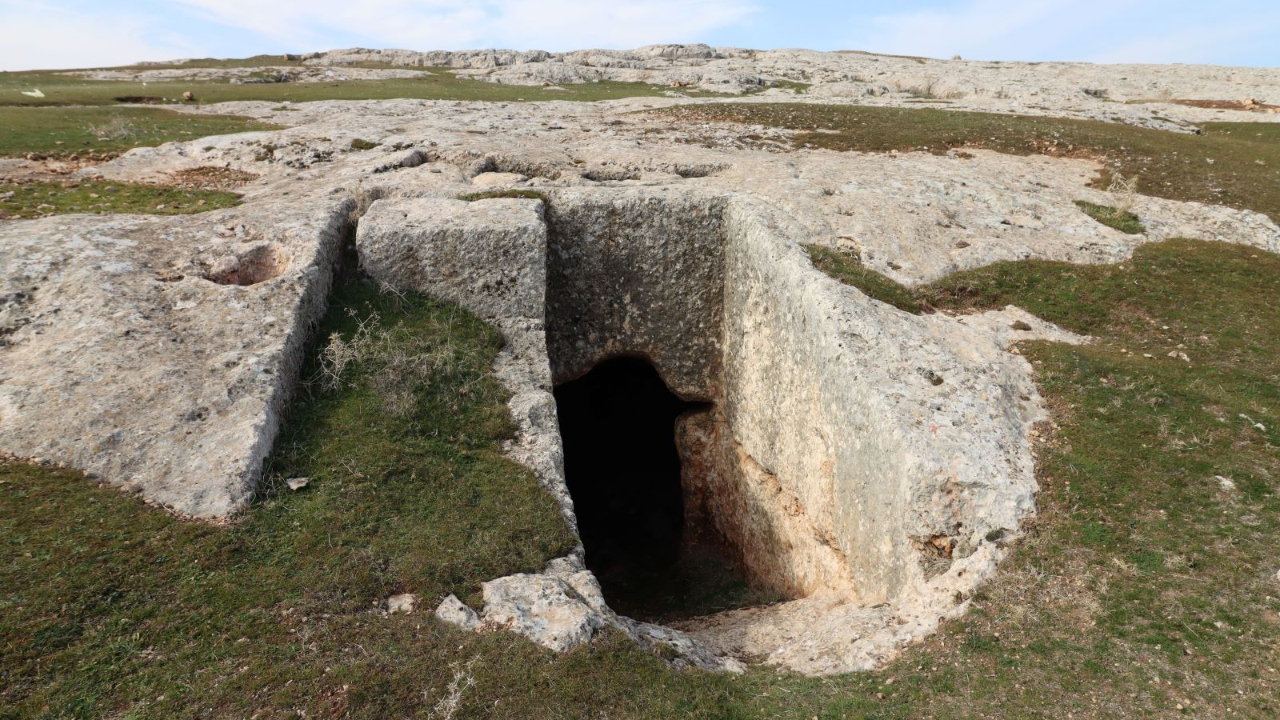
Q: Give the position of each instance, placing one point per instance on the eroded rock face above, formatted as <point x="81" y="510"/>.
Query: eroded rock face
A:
<point x="637" y="273"/>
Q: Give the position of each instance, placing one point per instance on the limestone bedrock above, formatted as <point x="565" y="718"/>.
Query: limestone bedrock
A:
<point x="846" y="443"/>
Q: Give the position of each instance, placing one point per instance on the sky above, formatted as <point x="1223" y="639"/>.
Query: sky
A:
<point x="91" y="33"/>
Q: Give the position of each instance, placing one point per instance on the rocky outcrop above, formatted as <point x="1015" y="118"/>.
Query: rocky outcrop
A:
<point x="1148" y="95"/>
<point x="158" y="355"/>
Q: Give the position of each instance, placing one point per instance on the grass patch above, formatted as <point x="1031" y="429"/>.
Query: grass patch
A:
<point x="1115" y="218"/>
<point x="441" y="84"/>
<point x="799" y="88"/>
<point x="38" y="199"/>
<point x="98" y="131"/>
<point x="514" y="193"/>
<point x="848" y="268"/>
<point x="1235" y="164"/>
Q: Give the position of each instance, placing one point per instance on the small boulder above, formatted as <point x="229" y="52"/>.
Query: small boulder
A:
<point x="455" y="612"/>
<point x="544" y="608"/>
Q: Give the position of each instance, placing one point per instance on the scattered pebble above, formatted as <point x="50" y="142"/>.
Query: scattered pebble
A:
<point x="296" y="484"/>
<point x="402" y="603"/>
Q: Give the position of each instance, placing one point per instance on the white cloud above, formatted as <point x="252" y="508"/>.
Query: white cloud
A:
<point x="40" y="35"/>
<point x="49" y="34"/>
<point x="456" y="24"/>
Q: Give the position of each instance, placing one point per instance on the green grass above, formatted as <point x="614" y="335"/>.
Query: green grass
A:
<point x="513" y="193"/>
<point x="1235" y="164"/>
<point x="848" y="268"/>
<point x="794" y="86"/>
<point x="1122" y="220"/>
<point x="71" y="131"/>
<point x="254" y="61"/>
<point x="96" y="196"/>
<point x="439" y="85"/>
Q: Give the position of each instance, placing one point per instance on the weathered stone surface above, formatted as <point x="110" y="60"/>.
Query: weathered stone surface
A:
<point x="247" y="74"/>
<point x="497" y="179"/>
<point x="636" y="271"/>
<point x="158" y="353"/>
<point x="487" y="256"/>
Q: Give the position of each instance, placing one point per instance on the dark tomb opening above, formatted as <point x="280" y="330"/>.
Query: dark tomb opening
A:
<point x="623" y="469"/>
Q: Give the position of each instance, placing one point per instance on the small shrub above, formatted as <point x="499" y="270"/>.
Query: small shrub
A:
<point x="397" y="364"/>
<point x="447" y="706"/>
<point x="117" y="128"/>
<point x="1124" y="190"/>
<point x="363" y="199"/>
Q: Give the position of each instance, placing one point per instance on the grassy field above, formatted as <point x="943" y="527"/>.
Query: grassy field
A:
<point x="1146" y="586"/>
<point x="55" y="198"/>
<point x="438" y="84"/>
<point x="1235" y="164"/>
<point x="104" y="132"/>
<point x="135" y="614"/>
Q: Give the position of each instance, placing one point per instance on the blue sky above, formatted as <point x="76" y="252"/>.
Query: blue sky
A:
<point x="80" y="33"/>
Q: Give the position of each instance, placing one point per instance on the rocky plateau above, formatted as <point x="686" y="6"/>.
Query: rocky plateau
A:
<point x="844" y="440"/>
